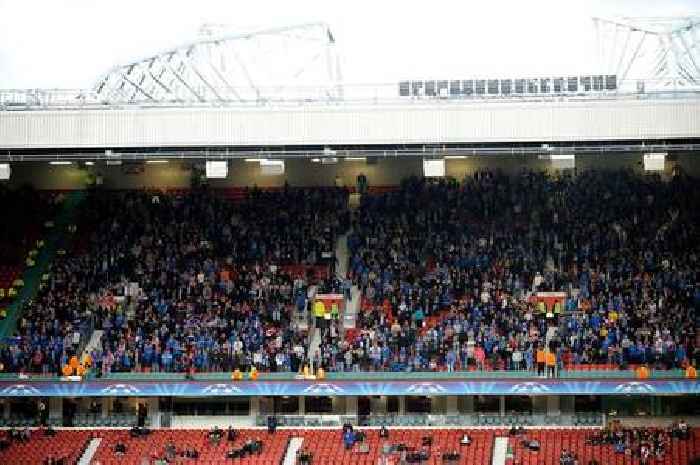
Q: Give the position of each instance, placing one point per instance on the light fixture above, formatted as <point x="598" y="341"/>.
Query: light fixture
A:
<point x="156" y="161"/>
<point x="355" y="158"/>
<point x="315" y="160"/>
<point x="60" y="163"/>
<point x="89" y="163"/>
<point x="253" y="160"/>
<point x="455" y="157"/>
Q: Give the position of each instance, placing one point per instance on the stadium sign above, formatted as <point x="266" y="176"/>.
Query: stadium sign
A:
<point x="468" y="88"/>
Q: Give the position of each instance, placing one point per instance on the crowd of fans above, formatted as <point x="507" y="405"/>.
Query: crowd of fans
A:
<point x="644" y="444"/>
<point x="25" y="211"/>
<point x="183" y="281"/>
<point x="446" y="269"/>
<point x="192" y="281"/>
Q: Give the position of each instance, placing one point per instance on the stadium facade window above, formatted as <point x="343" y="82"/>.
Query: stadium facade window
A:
<point x="417" y="88"/>
<point x="318" y="404"/>
<point x="506" y="86"/>
<point x="418" y="404"/>
<point x="586" y="83"/>
<point x="558" y="85"/>
<point x="611" y="82"/>
<point x="597" y="83"/>
<point x="585" y="404"/>
<point x="392" y="404"/>
<point x="493" y="86"/>
<point x="487" y="404"/>
<point x="468" y="87"/>
<point x="285" y="405"/>
<point x="532" y="86"/>
<point x="442" y="88"/>
<point x="519" y="404"/>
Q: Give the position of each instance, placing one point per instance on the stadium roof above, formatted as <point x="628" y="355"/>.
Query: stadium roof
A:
<point x="296" y="62"/>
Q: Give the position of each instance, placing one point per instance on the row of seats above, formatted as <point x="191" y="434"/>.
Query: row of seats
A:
<point x="67" y="445"/>
<point x="553" y="442"/>
<point x="326" y="447"/>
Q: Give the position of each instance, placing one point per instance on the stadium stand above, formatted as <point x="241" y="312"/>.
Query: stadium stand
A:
<point x="368" y="446"/>
<point x="206" y="296"/>
<point x="446" y="270"/>
<point x="26" y="210"/>
<point x="444" y="288"/>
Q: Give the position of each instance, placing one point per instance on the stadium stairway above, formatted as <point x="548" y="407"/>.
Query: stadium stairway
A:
<point x="86" y="458"/>
<point x="290" y="457"/>
<point x="351" y="308"/>
<point x="57" y="239"/>
<point x="314" y="344"/>
<point x="500" y="450"/>
<point x="95" y="340"/>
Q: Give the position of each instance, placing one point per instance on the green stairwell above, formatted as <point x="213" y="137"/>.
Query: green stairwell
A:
<point x="57" y="238"/>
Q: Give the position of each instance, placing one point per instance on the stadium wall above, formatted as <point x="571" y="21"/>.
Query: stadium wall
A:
<point x="419" y="122"/>
<point x="385" y="172"/>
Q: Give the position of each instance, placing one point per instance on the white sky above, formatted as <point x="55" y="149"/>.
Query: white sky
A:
<point x="69" y="43"/>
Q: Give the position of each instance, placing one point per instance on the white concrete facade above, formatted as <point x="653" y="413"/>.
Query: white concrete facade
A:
<point x="405" y="123"/>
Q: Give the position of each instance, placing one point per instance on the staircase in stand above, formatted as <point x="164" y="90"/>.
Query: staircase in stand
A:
<point x="86" y="458"/>
<point x="500" y="450"/>
<point x="290" y="457"/>
<point x="57" y="238"/>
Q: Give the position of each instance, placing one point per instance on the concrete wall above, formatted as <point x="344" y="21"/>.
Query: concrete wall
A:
<point x="386" y="171"/>
<point x="410" y="122"/>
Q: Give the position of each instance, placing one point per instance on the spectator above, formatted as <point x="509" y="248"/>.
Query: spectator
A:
<point x="348" y="439"/>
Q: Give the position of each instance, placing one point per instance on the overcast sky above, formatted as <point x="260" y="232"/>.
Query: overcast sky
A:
<point x="69" y="43"/>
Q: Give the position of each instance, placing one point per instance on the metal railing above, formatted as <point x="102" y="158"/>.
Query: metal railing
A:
<point x="492" y="419"/>
<point x="365" y="375"/>
<point x="353" y="94"/>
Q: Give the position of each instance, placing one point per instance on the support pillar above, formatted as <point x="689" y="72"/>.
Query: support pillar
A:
<point x="153" y="411"/>
<point x="402" y="405"/>
<point x="351" y="406"/>
<point x="254" y="407"/>
<point x="539" y="405"/>
<point x="302" y="405"/>
<point x="6" y="409"/>
<point x="502" y="405"/>
<point x="55" y="406"/>
<point x="378" y="405"/>
<point x="553" y="406"/>
<point x="468" y="404"/>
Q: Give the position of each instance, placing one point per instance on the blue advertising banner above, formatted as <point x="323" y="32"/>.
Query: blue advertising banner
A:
<point x="346" y="388"/>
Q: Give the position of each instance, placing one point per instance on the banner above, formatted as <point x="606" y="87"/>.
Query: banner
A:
<point x="532" y="387"/>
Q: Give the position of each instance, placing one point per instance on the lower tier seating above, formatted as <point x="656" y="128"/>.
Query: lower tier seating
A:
<point x="326" y="447"/>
